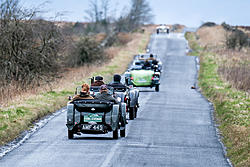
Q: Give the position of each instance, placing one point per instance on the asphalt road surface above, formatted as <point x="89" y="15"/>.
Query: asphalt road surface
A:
<point x="174" y="126"/>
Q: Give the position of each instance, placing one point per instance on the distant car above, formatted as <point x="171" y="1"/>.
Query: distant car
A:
<point x="162" y="28"/>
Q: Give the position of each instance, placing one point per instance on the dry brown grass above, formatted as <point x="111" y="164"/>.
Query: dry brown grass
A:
<point x="235" y="67"/>
<point x="124" y="38"/>
<point x="100" y="37"/>
<point x="212" y="36"/>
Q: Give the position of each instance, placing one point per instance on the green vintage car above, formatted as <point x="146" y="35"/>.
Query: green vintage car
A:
<point x="143" y="78"/>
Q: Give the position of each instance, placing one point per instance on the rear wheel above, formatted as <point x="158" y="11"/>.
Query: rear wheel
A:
<point x="131" y="113"/>
<point x="157" y="88"/>
<point x="123" y="133"/>
<point x="135" y="112"/>
<point x="115" y="134"/>
<point x="70" y="134"/>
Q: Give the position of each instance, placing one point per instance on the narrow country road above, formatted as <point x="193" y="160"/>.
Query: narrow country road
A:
<point x="174" y="126"/>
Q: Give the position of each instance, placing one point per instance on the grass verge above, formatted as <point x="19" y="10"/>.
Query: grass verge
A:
<point x="232" y="106"/>
<point x="21" y="114"/>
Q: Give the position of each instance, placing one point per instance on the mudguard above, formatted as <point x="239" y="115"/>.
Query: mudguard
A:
<point x="137" y="93"/>
<point x="70" y="116"/>
<point x="132" y="98"/>
<point x="123" y="120"/>
<point x="77" y="116"/>
<point x="108" y="118"/>
<point x="115" y="117"/>
<point x="121" y="95"/>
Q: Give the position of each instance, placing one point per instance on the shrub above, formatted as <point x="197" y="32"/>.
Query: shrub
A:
<point x="208" y="24"/>
<point x="237" y="39"/>
<point x="86" y="50"/>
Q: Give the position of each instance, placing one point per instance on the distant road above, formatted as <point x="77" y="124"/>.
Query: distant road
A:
<point x="174" y="126"/>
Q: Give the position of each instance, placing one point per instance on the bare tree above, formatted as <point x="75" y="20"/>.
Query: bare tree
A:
<point x="98" y="15"/>
<point x="28" y="48"/>
<point x="140" y="13"/>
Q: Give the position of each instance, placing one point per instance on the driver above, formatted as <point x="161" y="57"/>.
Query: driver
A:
<point x="117" y="82"/>
<point x="146" y="65"/>
<point x="151" y="57"/>
<point x="104" y="95"/>
<point x="98" y="81"/>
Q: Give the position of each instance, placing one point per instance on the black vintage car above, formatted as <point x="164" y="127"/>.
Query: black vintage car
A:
<point x="93" y="116"/>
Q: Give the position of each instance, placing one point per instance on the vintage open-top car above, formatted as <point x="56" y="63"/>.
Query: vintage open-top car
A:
<point x="162" y="28"/>
<point x="93" y="116"/>
<point x="144" y="72"/>
<point x="127" y="94"/>
<point x="130" y="96"/>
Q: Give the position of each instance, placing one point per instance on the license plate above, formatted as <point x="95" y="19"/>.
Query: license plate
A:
<point x="142" y="80"/>
<point x="92" y="117"/>
<point x="93" y="127"/>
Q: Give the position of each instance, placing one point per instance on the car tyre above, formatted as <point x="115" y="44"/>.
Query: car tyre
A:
<point x="135" y="112"/>
<point x="157" y="88"/>
<point x="70" y="134"/>
<point x="123" y="133"/>
<point x="131" y="113"/>
<point x="115" y="134"/>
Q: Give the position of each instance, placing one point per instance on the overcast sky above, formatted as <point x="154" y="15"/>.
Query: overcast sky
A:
<point x="188" y="12"/>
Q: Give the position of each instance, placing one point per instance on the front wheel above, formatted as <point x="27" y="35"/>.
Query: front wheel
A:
<point x="131" y="113"/>
<point x="157" y="88"/>
<point x="115" y="134"/>
<point x="70" y="134"/>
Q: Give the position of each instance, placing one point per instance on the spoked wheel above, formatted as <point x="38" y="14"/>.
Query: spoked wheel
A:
<point x="70" y="134"/>
<point x="157" y="88"/>
<point x="115" y="134"/>
<point x="131" y="113"/>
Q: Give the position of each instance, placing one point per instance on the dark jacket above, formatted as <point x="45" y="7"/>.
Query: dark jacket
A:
<point x="106" y="97"/>
<point x="116" y="84"/>
<point x="97" y="83"/>
<point x="82" y="96"/>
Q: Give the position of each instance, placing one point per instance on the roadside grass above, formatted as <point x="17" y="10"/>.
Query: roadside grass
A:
<point x="232" y="106"/>
<point x="19" y="115"/>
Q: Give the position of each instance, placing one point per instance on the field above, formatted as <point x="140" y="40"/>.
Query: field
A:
<point x="224" y="79"/>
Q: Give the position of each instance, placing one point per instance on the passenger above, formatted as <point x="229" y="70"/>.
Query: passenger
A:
<point x="84" y="94"/>
<point x="104" y="95"/>
<point x="141" y="57"/>
<point x="146" y="65"/>
<point x="151" y="57"/>
<point x="117" y="82"/>
<point x="98" y="81"/>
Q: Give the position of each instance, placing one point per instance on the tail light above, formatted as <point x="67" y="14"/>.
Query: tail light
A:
<point x="131" y="78"/>
<point x="152" y="78"/>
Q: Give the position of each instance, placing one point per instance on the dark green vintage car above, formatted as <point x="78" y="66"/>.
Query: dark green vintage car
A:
<point x="91" y="116"/>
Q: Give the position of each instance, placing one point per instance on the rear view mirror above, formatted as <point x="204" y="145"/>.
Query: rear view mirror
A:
<point x="70" y="97"/>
